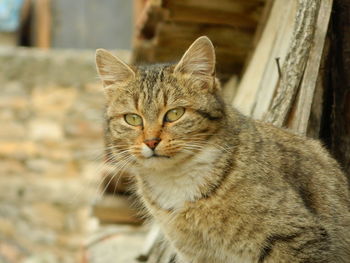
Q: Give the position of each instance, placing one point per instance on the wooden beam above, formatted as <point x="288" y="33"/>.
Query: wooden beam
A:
<point x="239" y="6"/>
<point x="212" y="17"/>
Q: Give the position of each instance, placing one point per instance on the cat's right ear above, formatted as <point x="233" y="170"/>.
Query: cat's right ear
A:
<point x="111" y="69"/>
<point x="199" y="59"/>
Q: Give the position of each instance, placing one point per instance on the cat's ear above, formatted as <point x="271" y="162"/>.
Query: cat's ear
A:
<point x="111" y="69"/>
<point x="199" y="59"/>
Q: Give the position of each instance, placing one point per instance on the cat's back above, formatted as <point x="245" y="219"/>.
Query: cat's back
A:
<point x="306" y="167"/>
<point x="278" y="156"/>
<point x="305" y="164"/>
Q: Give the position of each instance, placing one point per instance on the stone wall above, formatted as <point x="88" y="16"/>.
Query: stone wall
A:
<point x="51" y="147"/>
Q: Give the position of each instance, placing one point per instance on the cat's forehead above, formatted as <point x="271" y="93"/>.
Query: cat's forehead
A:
<point x="154" y="74"/>
<point x="155" y="89"/>
<point x="154" y="82"/>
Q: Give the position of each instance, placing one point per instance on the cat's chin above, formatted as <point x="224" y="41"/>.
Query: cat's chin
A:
<point x="161" y="162"/>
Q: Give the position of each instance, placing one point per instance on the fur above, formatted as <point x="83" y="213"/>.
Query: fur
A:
<point x="221" y="186"/>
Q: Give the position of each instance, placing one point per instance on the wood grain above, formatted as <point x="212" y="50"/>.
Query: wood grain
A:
<point x="295" y="63"/>
<point x="299" y="121"/>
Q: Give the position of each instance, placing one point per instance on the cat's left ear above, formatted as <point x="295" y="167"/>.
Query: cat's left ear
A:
<point x="199" y="59"/>
<point x="111" y="69"/>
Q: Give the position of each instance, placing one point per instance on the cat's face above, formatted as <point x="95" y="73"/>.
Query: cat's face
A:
<point x="158" y="115"/>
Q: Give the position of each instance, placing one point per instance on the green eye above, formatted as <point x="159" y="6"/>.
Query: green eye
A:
<point x="174" y="114"/>
<point x="133" y="119"/>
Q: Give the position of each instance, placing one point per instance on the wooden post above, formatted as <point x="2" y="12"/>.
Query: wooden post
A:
<point x="42" y="24"/>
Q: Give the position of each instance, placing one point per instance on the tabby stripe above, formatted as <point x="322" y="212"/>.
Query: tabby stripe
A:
<point x="227" y="170"/>
<point x="271" y="241"/>
<point x="207" y="115"/>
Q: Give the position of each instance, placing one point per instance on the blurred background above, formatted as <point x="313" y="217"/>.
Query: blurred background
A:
<point x="60" y="201"/>
<point x="52" y="169"/>
<point x="80" y="24"/>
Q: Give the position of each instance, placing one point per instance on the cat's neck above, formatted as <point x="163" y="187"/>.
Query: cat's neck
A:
<point x="188" y="182"/>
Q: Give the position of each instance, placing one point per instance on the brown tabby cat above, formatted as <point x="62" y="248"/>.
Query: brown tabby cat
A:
<point x="222" y="187"/>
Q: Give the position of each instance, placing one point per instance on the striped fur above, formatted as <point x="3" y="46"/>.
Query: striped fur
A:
<point x="223" y="187"/>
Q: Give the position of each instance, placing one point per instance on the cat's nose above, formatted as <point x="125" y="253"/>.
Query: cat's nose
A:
<point x="152" y="143"/>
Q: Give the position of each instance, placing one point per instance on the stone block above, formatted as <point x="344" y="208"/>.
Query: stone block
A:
<point x="85" y="129"/>
<point x="13" y="102"/>
<point x="72" y="193"/>
<point x="12" y="130"/>
<point x="46" y="257"/>
<point x="18" y="149"/>
<point x="14" y="88"/>
<point x="11" y="166"/>
<point x="40" y="236"/>
<point x="7" y="114"/>
<point x="51" y="168"/>
<point x="71" y="241"/>
<point x="11" y="252"/>
<point x="53" y="101"/>
<point x="44" y="215"/>
<point x="94" y="87"/>
<point x="55" y="151"/>
<point x="7" y="227"/>
<point x="45" y="129"/>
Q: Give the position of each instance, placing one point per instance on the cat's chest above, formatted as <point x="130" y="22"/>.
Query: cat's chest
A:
<point x="184" y="182"/>
<point x="171" y="189"/>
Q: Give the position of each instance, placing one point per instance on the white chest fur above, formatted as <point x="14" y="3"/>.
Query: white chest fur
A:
<point x="171" y="187"/>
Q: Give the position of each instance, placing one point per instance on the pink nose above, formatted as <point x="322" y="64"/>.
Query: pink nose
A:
<point x="152" y="143"/>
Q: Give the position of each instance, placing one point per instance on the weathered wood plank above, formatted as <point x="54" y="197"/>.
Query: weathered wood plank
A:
<point x="271" y="76"/>
<point x="224" y="36"/>
<point x="219" y="17"/>
<point x="299" y="121"/>
<point x="262" y="56"/>
<point x="238" y="6"/>
<point x="295" y="63"/>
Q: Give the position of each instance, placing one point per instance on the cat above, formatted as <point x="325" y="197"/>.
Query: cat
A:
<point x="221" y="186"/>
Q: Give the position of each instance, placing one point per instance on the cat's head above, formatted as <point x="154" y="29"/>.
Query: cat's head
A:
<point x="158" y="115"/>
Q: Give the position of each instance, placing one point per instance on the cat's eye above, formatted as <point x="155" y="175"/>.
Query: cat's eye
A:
<point x="174" y="114"/>
<point x="133" y="119"/>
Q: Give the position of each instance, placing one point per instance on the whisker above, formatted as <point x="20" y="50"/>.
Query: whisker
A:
<point x="106" y="168"/>
<point x="120" y="169"/>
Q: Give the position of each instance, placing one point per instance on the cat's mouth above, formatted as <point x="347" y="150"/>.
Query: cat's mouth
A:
<point x="159" y="156"/>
